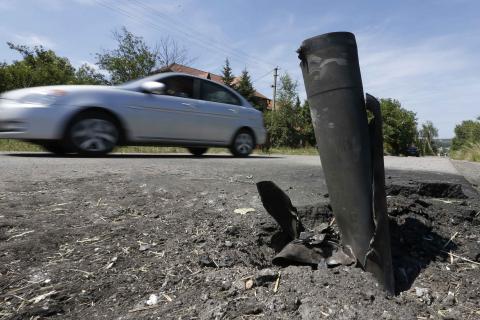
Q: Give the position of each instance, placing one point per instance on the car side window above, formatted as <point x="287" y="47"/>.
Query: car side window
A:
<point x="215" y="93"/>
<point x="178" y="86"/>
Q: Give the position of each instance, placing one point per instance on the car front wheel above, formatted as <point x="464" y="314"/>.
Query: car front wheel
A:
<point x="243" y="144"/>
<point x="93" y="134"/>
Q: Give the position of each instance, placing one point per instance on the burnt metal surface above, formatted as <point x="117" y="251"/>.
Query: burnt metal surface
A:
<point x="316" y="247"/>
<point x="349" y="149"/>
<point x="379" y="259"/>
<point x="280" y="207"/>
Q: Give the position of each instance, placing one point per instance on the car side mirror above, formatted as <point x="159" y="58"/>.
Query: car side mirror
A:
<point x="153" y="87"/>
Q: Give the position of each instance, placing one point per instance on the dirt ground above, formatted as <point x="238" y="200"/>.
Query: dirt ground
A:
<point x="167" y="244"/>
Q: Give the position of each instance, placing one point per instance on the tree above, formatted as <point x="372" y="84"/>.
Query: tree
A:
<point x="287" y="93"/>
<point x="427" y="134"/>
<point x="284" y="125"/>
<point x="132" y="59"/>
<point x="88" y="75"/>
<point x="466" y="133"/>
<point x="244" y="86"/>
<point x="227" y="74"/>
<point x="43" y="67"/>
<point x="307" y="132"/>
<point x="170" y="52"/>
<point x="38" y="67"/>
<point x="399" y="127"/>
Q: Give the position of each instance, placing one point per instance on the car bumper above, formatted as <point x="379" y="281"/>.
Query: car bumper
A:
<point x="22" y="121"/>
<point x="260" y="135"/>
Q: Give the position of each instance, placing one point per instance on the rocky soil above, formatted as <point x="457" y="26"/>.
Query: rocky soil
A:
<point x="171" y="246"/>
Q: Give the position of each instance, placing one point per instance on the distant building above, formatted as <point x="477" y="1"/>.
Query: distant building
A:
<point x="258" y="99"/>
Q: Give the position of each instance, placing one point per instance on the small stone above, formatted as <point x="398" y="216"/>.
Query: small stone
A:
<point x="449" y="300"/>
<point x="424" y="295"/>
<point x="238" y="284"/>
<point x="420" y="292"/>
<point x="452" y="315"/>
<point x="228" y="244"/>
<point x="145" y="246"/>
<point x="248" y="284"/>
<point x="206" y="261"/>
<point x="251" y="307"/>
<point x="232" y="230"/>
<point x="387" y="315"/>
<point x="225" y="285"/>
<point x="225" y="262"/>
<point x="368" y="295"/>
<point x="152" y="300"/>
<point x="265" y="276"/>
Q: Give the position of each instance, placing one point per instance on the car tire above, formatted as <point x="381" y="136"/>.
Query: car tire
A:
<point x="93" y="134"/>
<point x="55" y="147"/>
<point x="197" y="152"/>
<point x="243" y="144"/>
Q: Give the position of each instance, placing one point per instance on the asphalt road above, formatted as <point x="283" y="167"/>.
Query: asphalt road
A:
<point x="294" y="172"/>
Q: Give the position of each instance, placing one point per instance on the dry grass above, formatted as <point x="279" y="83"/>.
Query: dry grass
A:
<point x="469" y="153"/>
<point x="10" y="145"/>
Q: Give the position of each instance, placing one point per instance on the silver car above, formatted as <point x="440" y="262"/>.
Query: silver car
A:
<point x="170" y="109"/>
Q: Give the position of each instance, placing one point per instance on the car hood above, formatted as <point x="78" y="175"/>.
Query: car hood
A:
<point x="59" y="90"/>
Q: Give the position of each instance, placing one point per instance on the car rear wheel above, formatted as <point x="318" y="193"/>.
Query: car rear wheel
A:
<point x="197" y="151"/>
<point x="93" y="134"/>
<point x="243" y="144"/>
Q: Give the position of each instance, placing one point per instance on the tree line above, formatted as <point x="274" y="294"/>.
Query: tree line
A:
<point x="288" y="126"/>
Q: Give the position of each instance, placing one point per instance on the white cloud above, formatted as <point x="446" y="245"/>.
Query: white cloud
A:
<point x="88" y="63"/>
<point x="32" y="39"/>
<point x="436" y="80"/>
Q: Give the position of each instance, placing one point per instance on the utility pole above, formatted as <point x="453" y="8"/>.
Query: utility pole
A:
<point x="275" y="75"/>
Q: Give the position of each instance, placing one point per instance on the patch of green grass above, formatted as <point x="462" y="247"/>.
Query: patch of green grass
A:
<point x="469" y="153"/>
<point x="18" y="145"/>
<point x="307" y="151"/>
<point x="11" y="145"/>
<point x="159" y="149"/>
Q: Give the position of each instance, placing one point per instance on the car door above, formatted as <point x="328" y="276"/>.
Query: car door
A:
<point x="219" y="112"/>
<point x="171" y="115"/>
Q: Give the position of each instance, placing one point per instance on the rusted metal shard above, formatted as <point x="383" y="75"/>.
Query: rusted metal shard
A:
<point x="334" y="89"/>
<point x="280" y="207"/>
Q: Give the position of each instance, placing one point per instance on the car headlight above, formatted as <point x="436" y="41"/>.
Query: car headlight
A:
<point x="42" y="99"/>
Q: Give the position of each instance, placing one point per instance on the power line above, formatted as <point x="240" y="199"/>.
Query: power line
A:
<point x="185" y="35"/>
<point x="266" y="74"/>
<point x="175" y="22"/>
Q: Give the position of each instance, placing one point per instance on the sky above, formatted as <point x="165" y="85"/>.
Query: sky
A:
<point x="424" y="53"/>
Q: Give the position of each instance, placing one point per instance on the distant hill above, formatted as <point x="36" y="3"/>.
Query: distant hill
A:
<point x="444" y="143"/>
